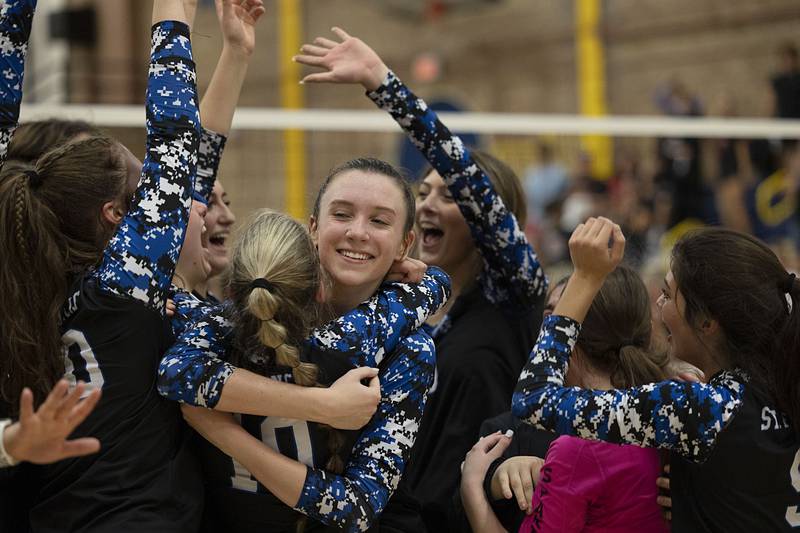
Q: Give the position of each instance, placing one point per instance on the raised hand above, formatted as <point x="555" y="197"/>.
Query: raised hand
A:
<point x="596" y="248"/>
<point x="237" y="19"/>
<point x="348" y="61"/>
<point x="41" y="436"/>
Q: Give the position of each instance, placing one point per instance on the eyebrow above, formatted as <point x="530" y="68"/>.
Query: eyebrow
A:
<point x="345" y="203"/>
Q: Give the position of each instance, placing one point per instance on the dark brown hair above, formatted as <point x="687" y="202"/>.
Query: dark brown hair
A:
<point x="33" y="139"/>
<point x="374" y="166"/>
<point x="736" y="280"/>
<point x="615" y="336"/>
<point x="53" y="231"/>
<point x="506" y="183"/>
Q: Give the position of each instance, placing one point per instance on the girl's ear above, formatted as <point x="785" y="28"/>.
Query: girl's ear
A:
<point x="406" y="246"/>
<point x="313" y="229"/>
<point x="112" y="213"/>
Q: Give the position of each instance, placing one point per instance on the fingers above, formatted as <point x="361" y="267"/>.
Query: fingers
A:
<point x="618" y="246"/>
<point x="325" y="43"/>
<point x="505" y="486"/>
<point x="362" y="373"/>
<point x="171" y="308"/>
<point x="375" y="383"/>
<point x="54" y="400"/>
<point x="664" y="501"/>
<point x="82" y="410"/>
<point x="25" y="406"/>
<point x="340" y="33"/>
<point x="518" y="489"/>
<point x="69" y="402"/>
<point x="78" y="447"/>
<point x="500" y="446"/>
<point x="488" y="442"/>
<point x="310" y="49"/>
<point x="254" y="14"/>
<point x="320" y="77"/>
<point x="663" y="483"/>
<point x="311" y="61"/>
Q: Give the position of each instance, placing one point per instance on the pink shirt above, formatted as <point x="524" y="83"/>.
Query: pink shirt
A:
<point x="596" y="486"/>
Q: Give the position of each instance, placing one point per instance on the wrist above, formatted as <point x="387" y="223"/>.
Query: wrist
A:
<point x="236" y="52"/>
<point x="587" y="280"/>
<point x="9" y="451"/>
<point x="377" y="75"/>
<point x="319" y="401"/>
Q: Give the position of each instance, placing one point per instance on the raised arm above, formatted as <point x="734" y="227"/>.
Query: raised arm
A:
<point x="140" y="259"/>
<point x="375" y="327"/>
<point x="237" y="20"/>
<point x="681" y="416"/>
<point x="352" y="500"/>
<point x="16" y="17"/>
<point x="512" y="273"/>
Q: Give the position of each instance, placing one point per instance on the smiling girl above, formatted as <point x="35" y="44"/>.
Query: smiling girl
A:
<point x="469" y="208"/>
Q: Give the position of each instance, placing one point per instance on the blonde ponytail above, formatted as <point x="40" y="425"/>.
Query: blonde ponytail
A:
<point x="263" y="305"/>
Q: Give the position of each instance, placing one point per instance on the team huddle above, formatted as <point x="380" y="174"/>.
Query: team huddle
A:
<point x="401" y="363"/>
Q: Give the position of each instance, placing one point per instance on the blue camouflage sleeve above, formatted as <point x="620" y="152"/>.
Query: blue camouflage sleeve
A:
<point x="512" y="273"/>
<point x="140" y="259"/>
<point x="353" y="500"/>
<point x="375" y="327"/>
<point x="188" y="310"/>
<point x="16" y="17"/>
<point x="193" y="371"/>
<point x="209" y="155"/>
<point x="680" y="416"/>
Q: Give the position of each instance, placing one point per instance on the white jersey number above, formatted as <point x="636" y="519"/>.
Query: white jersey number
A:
<point x="296" y="431"/>
<point x="80" y="364"/>
<point x="793" y="513"/>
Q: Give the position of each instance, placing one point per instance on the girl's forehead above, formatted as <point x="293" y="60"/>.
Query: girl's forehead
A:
<point x="363" y="189"/>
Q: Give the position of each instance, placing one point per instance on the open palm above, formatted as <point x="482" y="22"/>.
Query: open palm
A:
<point x="348" y="61"/>
<point x="238" y="19"/>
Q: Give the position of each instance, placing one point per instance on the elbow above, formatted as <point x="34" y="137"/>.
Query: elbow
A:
<point x="518" y="407"/>
<point x="166" y="382"/>
<point x="363" y="518"/>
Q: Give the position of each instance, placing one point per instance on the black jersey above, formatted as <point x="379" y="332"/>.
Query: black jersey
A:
<point x="751" y="480"/>
<point x="735" y="460"/>
<point x="114" y="332"/>
<point x="145" y="477"/>
<point x="237" y="501"/>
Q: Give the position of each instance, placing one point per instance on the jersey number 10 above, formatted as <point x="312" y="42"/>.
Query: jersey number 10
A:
<point x="80" y="364"/>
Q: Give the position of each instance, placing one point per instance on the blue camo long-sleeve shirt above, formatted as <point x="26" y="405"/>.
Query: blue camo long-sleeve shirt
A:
<point x="16" y="17"/>
<point x="353" y="500"/>
<point x="194" y="369"/>
<point x="512" y="273"/>
<point x="140" y="259"/>
<point x="209" y="155"/>
<point x="189" y="307"/>
<point x="683" y="417"/>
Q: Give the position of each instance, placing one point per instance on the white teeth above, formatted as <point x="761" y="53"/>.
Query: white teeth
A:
<point x="427" y="225"/>
<point x="355" y="255"/>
